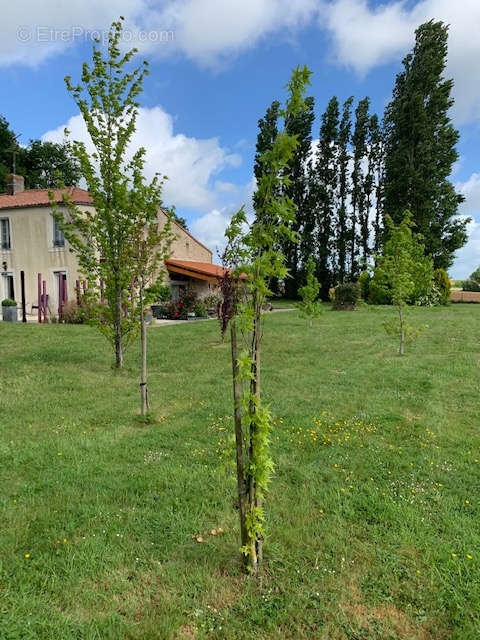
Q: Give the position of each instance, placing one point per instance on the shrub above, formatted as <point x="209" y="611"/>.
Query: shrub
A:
<point x="379" y="291"/>
<point x="471" y="285"/>
<point x="8" y="302"/>
<point x="346" y="296"/>
<point x="442" y="284"/>
<point x="364" y="284"/>
<point x="74" y="313"/>
<point x="159" y="292"/>
<point x="211" y="303"/>
<point x="200" y="308"/>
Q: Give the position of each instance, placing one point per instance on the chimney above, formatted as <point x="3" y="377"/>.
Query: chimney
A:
<point x="15" y="184"/>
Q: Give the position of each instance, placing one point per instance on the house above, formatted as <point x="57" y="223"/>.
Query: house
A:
<point x="32" y="241"/>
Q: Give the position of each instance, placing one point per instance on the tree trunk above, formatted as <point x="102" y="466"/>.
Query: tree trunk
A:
<point x="254" y="500"/>
<point x="143" y="375"/>
<point x="237" y="413"/>
<point x="118" y="329"/>
<point x="402" y="331"/>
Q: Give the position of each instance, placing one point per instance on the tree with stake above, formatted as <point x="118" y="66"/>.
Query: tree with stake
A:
<point x="121" y="247"/>
<point x="254" y="258"/>
<point x="406" y="267"/>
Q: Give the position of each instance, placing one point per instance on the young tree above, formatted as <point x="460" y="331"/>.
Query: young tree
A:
<point x="254" y="258"/>
<point x="420" y="147"/>
<point x="406" y="269"/>
<point x="122" y="245"/>
<point x="344" y="138"/>
<point x="323" y="179"/>
<point x="310" y="307"/>
<point x="296" y="188"/>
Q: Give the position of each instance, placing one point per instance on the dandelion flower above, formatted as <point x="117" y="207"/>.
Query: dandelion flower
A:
<point x="454" y="555"/>
<point x="469" y="556"/>
<point x="27" y="555"/>
<point x="467" y="501"/>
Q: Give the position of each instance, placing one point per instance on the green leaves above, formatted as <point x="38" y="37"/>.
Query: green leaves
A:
<point x="122" y="245"/>
<point x="310" y="307"/>
<point x="254" y="257"/>
<point x="407" y="271"/>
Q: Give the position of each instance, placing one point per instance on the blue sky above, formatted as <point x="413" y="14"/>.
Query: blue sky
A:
<point x="219" y="68"/>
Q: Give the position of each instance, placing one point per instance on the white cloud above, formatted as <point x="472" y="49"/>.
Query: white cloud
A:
<point x="210" y="31"/>
<point x="467" y="259"/>
<point x="206" y="31"/>
<point x="190" y="163"/>
<point x="32" y="31"/>
<point x="210" y="228"/>
<point x="365" y="36"/>
<point x="471" y="190"/>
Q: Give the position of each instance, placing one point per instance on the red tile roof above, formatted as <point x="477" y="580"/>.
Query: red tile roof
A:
<point x="203" y="268"/>
<point x="39" y="198"/>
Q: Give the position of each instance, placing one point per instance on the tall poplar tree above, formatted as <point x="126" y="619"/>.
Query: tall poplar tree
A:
<point x="375" y="181"/>
<point x="420" y="147"/>
<point x="267" y="133"/>
<point x="359" y="213"/>
<point x="344" y="138"/>
<point x="298" y="124"/>
<point x="323" y="181"/>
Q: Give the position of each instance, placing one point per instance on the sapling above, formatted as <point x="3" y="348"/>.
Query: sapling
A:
<point x="121" y="247"/>
<point x="310" y="307"/>
<point x="254" y="258"/>
<point x="405" y="267"/>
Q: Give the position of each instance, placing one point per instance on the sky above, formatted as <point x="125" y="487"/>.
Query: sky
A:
<point x="214" y="69"/>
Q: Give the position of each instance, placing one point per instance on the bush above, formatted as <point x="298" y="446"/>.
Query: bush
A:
<point x="364" y="284"/>
<point x="159" y="292"/>
<point x="8" y="302"/>
<point x="200" y="308"/>
<point x="471" y="285"/>
<point x="379" y="291"/>
<point x="74" y="313"/>
<point x="346" y="296"/>
<point x="442" y="284"/>
<point x="211" y="303"/>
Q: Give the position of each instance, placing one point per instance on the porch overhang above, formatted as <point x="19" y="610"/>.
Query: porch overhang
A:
<point x="198" y="270"/>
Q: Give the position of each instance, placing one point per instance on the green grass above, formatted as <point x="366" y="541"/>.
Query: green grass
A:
<point x="368" y="505"/>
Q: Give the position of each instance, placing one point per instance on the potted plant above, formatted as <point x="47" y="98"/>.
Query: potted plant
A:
<point x="9" y="310"/>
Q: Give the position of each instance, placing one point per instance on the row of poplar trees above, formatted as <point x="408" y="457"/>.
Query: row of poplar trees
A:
<point x="363" y="167"/>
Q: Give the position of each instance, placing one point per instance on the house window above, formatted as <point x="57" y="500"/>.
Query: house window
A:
<point x="58" y="236"/>
<point x="5" y="233"/>
<point x="8" y="286"/>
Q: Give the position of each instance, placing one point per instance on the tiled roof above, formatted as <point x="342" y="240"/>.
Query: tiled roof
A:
<point x="39" y="197"/>
<point x="203" y="268"/>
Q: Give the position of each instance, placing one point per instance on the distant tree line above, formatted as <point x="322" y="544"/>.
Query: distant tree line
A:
<point x="362" y="168"/>
<point x="44" y="165"/>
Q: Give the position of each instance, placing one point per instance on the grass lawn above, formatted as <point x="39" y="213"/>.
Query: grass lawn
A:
<point x="373" y="515"/>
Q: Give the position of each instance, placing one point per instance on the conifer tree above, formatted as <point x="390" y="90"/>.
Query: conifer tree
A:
<point x="420" y="147"/>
